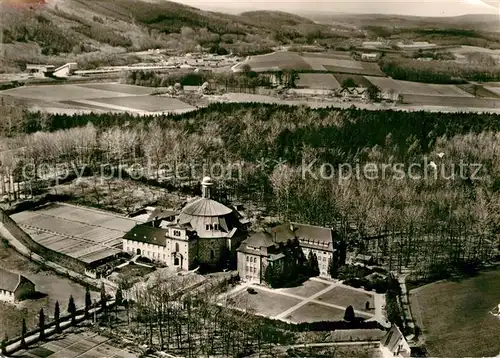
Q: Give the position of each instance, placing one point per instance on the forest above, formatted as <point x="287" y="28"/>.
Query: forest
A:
<point x="442" y="218"/>
<point x="443" y="72"/>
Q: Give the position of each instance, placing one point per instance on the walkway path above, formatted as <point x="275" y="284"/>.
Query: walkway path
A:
<point x="405" y="303"/>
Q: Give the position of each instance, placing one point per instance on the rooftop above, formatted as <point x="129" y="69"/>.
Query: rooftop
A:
<point x="147" y="234"/>
<point x="9" y="280"/>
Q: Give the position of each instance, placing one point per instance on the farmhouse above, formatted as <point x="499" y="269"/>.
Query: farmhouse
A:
<point x="263" y="247"/>
<point x="14" y="286"/>
<point x="205" y="232"/>
<point x="353" y="93"/>
<point x="394" y="344"/>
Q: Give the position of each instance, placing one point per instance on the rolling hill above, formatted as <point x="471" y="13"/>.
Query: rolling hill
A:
<point x="103" y="32"/>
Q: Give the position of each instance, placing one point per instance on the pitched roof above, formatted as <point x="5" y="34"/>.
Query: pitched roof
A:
<point x="147" y="234"/>
<point x="260" y="239"/>
<point x="395" y="342"/>
<point x="9" y="280"/>
<point x="303" y="231"/>
<point x="161" y="213"/>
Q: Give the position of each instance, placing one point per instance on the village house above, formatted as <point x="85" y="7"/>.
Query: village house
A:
<point x="14" y="287"/>
<point x="394" y="344"/>
<point x="353" y="93"/>
<point x="268" y="246"/>
<point x="205" y="232"/>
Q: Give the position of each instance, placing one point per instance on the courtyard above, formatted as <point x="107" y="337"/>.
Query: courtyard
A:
<point x="315" y="300"/>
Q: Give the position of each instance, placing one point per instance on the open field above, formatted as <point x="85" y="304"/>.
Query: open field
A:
<point x="85" y="234"/>
<point x="358" y="79"/>
<point x="455" y="318"/>
<point x="416" y="88"/>
<point x="452" y="102"/>
<point x="52" y="288"/>
<point x="462" y="52"/>
<point x="276" y="60"/>
<point x="318" y="81"/>
<point x="144" y="103"/>
<point x="99" y="97"/>
<point x="332" y="62"/>
<point x="304" y="303"/>
<point x="72" y="345"/>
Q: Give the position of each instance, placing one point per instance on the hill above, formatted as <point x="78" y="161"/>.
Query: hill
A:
<point x="106" y="32"/>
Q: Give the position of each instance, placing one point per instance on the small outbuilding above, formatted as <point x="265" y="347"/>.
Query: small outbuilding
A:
<point x="14" y="287"/>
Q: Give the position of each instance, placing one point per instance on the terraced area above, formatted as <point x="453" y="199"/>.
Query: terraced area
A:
<point x="85" y="234"/>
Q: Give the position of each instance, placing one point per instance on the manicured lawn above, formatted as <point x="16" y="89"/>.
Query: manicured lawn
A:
<point x="313" y="312"/>
<point x="344" y="296"/>
<point x="307" y="289"/>
<point x="264" y="302"/>
<point x="455" y="316"/>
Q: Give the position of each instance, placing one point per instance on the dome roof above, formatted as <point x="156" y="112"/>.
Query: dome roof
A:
<point x="205" y="207"/>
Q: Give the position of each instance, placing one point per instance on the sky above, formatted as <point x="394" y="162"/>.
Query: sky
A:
<point x="402" y="7"/>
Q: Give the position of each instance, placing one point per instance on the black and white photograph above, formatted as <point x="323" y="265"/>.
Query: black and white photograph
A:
<point x="261" y="179"/>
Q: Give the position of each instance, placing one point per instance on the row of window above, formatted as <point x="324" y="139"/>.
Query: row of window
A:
<point x="6" y="293"/>
<point x="251" y="259"/>
<point x="151" y="246"/>
<point x="213" y="226"/>
<point x="251" y="269"/>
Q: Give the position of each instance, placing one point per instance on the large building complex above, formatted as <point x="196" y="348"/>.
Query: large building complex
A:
<point x="205" y="232"/>
<point x="263" y="248"/>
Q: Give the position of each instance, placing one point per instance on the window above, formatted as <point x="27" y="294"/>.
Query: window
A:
<point x="177" y="233"/>
<point x="248" y="258"/>
<point x="209" y="227"/>
<point x="176" y="247"/>
<point x="216" y="226"/>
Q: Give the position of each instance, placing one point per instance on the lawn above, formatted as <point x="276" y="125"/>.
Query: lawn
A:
<point x="455" y="318"/>
<point x="344" y="296"/>
<point x="264" y="302"/>
<point x="313" y="312"/>
<point x="120" y="88"/>
<point x="134" y="270"/>
<point x="307" y="289"/>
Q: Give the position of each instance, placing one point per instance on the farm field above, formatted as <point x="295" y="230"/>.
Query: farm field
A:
<point x="99" y="97"/>
<point x="276" y="60"/>
<point x="318" y="81"/>
<point x="455" y="318"/>
<point x="454" y="102"/>
<point x="416" y="88"/>
<point x="141" y="103"/>
<point x="331" y="62"/>
<point x="84" y="234"/>
<point x="51" y="287"/>
<point x="367" y="68"/>
<point x="360" y="81"/>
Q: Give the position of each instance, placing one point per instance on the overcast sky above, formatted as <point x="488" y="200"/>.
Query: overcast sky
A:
<point x="418" y="8"/>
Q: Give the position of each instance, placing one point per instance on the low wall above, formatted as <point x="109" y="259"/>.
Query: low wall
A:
<point x="48" y="254"/>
